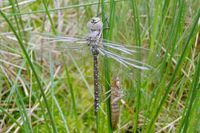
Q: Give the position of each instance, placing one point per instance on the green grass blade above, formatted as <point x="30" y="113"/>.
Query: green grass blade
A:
<point x="11" y="117"/>
<point x="22" y="109"/>
<point x="111" y="19"/>
<point x="20" y="23"/>
<point x="60" y="9"/>
<point x="138" y="73"/>
<point x="177" y="68"/>
<point x="160" y="102"/>
<point x="15" y="17"/>
<point x="106" y="64"/>
<point x="62" y="115"/>
<point x="32" y="67"/>
<point x="170" y="49"/>
<point x="49" y="16"/>
<point x="70" y="86"/>
<point x="195" y="90"/>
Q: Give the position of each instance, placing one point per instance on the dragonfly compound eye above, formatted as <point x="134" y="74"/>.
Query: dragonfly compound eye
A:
<point x="95" y="24"/>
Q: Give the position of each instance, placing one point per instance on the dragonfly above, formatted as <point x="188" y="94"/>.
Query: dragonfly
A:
<point x="98" y="47"/>
<point x="116" y="95"/>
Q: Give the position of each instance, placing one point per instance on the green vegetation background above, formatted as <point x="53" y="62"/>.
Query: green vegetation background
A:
<point x="54" y="93"/>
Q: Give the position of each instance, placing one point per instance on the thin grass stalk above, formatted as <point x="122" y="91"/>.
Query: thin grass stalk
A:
<point x="187" y="46"/>
<point x="165" y="10"/>
<point x="20" y="26"/>
<point x="19" y="22"/>
<point x="149" y="18"/>
<point x="71" y="89"/>
<point x="191" y="100"/>
<point x="14" y="84"/>
<point x="20" y="19"/>
<point x="149" y="41"/>
<point x="138" y="73"/>
<point x="76" y="2"/>
<point x="106" y="71"/>
<point x="61" y="8"/>
<point x="54" y="100"/>
<point x="81" y="74"/>
<point x="193" y="125"/>
<point x="163" y="21"/>
<point x="32" y="68"/>
<point x="106" y="68"/>
<point x="70" y="86"/>
<point x="194" y="121"/>
<point x="111" y="19"/>
<point x="155" y="23"/>
<point x="107" y="63"/>
<point x="51" y="71"/>
<point x="89" y="11"/>
<point x="23" y="111"/>
<point x="49" y="16"/>
<point x="61" y="114"/>
<point x="11" y="117"/>
<point x="98" y="7"/>
<point x="15" y="17"/>
<point x="160" y="24"/>
<point x="170" y="49"/>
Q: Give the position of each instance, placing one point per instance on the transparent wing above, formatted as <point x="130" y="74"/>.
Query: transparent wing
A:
<point x="56" y="43"/>
<point x="128" y="56"/>
<point x="44" y="45"/>
<point x="49" y="41"/>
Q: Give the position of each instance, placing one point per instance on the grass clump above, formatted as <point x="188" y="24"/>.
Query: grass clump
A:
<point x="45" y="91"/>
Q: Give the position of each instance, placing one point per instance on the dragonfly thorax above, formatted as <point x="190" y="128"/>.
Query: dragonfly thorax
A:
<point x="93" y="38"/>
<point x="116" y="85"/>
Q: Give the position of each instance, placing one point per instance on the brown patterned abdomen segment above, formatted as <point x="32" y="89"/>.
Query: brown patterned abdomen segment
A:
<point x="115" y="98"/>
<point x="115" y="114"/>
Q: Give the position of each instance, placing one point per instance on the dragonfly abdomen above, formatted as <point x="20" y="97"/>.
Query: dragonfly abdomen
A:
<point x="114" y="114"/>
<point x="115" y="98"/>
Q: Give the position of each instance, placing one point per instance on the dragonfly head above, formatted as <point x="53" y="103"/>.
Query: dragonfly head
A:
<point x="116" y="82"/>
<point x="95" y="24"/>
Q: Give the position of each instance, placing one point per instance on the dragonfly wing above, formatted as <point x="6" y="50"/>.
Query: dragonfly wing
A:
<point x="56" y="43"/>
<point x="124" y="60"/>
<point x="129" y="56"/>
